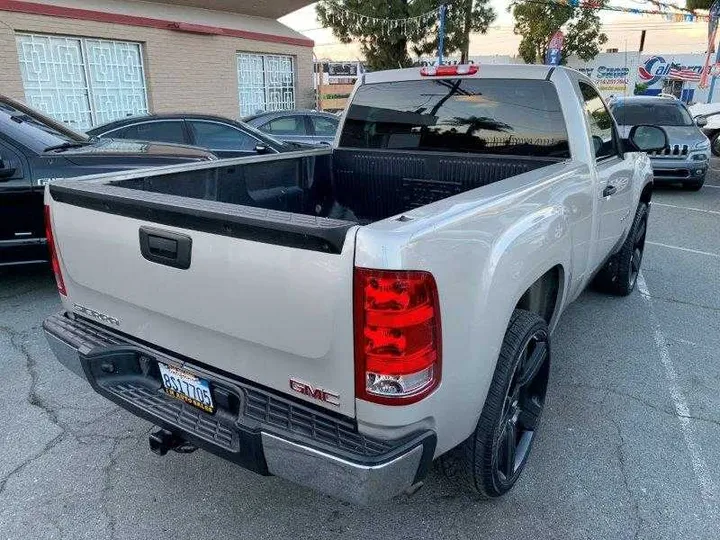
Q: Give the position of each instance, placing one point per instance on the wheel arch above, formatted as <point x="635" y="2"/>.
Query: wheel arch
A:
<point x="544" y="296"/>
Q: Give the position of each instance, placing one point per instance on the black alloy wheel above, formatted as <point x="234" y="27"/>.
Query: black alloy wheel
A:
<point x="522" y="409"/>
<point x="489" y="462"/>
<point x="637" y="252"/>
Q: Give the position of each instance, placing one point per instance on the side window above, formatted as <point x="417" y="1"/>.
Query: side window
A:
<point x="171" y="132"/>
<point x="601" y="123"/>
<point x="221" y="137"/>
<point x="324" y="126"/>
<point x="287" y="125"/>
<point x="11" y="164"/>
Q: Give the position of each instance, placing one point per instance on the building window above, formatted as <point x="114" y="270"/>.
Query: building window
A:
<point x="266" y="82"/>
<point x="82" y="82"/>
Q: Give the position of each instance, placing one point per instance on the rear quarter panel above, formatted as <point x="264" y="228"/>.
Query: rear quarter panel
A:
<point x="485" y="248"/>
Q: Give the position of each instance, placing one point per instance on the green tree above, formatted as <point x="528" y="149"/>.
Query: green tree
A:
<point x="537" y="22"/>
<point x="698" y="4"/>
<point x="381" y="49"/>
<point x="640" y="89"/>
<point x="385" y="48"/>
<point x="463" y="18"/>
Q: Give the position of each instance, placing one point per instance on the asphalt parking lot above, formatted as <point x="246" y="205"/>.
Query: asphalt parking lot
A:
<point x="629" y="446"/>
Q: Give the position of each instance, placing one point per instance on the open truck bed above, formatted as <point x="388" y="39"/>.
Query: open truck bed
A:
<point x="307" y="199"/>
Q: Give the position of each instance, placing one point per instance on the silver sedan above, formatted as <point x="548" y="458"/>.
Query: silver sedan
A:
<point x="310" y="127"/>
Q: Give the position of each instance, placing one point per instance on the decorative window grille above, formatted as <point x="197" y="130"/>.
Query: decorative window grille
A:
<point x="266" y="82"/>
<point x="82" y="82"/>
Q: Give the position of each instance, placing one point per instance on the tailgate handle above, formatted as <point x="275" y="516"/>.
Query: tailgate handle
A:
<point x="165" y="247"/>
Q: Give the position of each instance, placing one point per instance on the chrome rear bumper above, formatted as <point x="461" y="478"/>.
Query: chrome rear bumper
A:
<point x="260" y="430"/>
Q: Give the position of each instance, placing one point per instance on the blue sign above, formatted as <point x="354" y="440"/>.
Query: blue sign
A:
<point x="553" y="57"/>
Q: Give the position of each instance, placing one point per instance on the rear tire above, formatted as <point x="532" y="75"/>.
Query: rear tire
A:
<point x="620" y="273"/>
<point x="489" y="463"/>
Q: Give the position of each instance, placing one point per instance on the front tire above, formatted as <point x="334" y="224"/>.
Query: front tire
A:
<point x="620" y="273"/>
<point x="695" y="185"/>
<point x="715" y="144"/>
<point x="489" y="463"/>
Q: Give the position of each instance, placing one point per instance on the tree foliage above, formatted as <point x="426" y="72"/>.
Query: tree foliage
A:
<point x="381" y="49"/>
<point x="537" y="22"/>
<point x="388" y="49"/>
<point x="463" y="18"/>
<point x="698" y="4"/>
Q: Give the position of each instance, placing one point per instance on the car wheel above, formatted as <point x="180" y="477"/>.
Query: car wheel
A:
<point x="620" y="273"/>
<point x="695" y="185"/>
<point x="715" y="144"/>
<point x="489" y="463"/>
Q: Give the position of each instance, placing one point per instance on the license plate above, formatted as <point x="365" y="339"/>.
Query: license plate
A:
<point x="186" y="387"/>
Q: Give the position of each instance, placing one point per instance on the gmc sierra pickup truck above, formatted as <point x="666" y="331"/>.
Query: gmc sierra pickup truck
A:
<point x="344" y="317"/>
<point x="35" y="149"/>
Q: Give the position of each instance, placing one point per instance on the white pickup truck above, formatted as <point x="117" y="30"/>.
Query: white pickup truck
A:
<point x="344" y="317"/>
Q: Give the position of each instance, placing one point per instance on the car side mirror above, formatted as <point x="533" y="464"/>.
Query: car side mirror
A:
<point x="648" y="138"/>
<point x="701" y="121"/>
<point x="597" y="144"/>
<point x="261" y="149"/>
<point x="5" y="171"/>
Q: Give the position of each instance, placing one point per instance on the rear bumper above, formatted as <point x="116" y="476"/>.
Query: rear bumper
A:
<point x="678" y="170"/>
<point x="258" y="429"/>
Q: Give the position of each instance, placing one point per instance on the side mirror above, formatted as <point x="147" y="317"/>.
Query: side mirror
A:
<point x="261" y="149"/>
<point x="701" y="121"/>
<point x="648" y="138"/>
<point x="597" y="144"/>
<point x="5" y="171"/>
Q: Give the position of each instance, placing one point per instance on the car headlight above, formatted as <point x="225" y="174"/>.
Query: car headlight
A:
<point x="702" y="145"/>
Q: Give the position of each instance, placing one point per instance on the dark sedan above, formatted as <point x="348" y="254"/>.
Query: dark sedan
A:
<point x="310" y="127"/>
<point x="224" y="137"/>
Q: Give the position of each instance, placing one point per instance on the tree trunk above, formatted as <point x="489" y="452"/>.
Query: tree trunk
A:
<point x="465" y="53"/>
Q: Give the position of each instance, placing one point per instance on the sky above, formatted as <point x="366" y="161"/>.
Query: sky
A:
<point x="623" y="31"/>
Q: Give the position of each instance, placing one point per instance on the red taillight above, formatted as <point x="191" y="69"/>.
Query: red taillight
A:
<point x="54" y="261"/>
<point x="397" y="336"/>
<point x="447" y="71"/>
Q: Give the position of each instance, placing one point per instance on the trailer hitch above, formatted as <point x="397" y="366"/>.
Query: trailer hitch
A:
<point x="161" y="441"/>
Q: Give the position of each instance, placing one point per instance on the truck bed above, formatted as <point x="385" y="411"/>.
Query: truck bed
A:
<point x="309" y="199"/>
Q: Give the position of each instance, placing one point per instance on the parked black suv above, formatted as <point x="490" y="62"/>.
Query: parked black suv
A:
<point x="35" y="149"/>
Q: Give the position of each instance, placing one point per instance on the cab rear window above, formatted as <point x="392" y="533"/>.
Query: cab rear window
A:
<point x="484" y="116"/>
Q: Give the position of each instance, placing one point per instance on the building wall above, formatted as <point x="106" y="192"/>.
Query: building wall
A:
<point x="184" y="72"/>
<point x="616" y="74"/>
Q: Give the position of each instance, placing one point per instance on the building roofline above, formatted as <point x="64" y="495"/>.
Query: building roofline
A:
<point x="51" y="10"/>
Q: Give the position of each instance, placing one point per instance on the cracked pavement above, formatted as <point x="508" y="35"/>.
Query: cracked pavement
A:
<point x="611" y="460"/>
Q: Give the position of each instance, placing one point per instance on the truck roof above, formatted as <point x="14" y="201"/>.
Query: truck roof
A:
<point x="493" y="71"/>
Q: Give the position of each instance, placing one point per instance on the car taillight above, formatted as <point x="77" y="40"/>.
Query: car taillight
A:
<point x="397" y="335"/>
<point x="446" y="71"/>
<point x="54" y="261"/>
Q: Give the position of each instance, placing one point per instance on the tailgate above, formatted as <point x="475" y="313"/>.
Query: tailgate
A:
<point x="262" y="311"/>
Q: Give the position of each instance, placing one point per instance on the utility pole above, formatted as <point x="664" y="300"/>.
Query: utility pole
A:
<point x="441" y="37"/>
<point x="465" y="54"/>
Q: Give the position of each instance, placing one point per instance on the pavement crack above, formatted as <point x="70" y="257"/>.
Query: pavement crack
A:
<point x="642" y="401"/>
<point x="33" y="398"/>
<point x="107" y="489"/>
<point x="21" y="467"/>
<point x="637" y="518"/>
<point x="682" y="302"/>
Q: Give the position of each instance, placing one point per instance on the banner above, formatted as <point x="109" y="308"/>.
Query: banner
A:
<point x="554" y="52"/>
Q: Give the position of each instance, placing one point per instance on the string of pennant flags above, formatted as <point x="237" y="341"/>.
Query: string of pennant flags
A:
<point x="670" y="12"/>
<point x="405" y="25"/>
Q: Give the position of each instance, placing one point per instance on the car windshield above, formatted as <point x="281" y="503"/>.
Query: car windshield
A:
<point x="659" y="113"/>
<point x="44" y="131"/>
